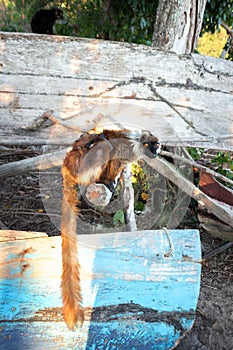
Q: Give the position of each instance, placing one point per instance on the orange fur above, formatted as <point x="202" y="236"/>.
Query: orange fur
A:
<point x="93" y="158"/>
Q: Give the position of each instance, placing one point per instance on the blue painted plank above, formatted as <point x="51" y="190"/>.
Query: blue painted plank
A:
<point x="130" y="269"/>
<point x="114" y="335"/>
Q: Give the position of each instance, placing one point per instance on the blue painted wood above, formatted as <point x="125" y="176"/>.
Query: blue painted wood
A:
<point x="114" y="335"/>
<point x="158" y="292"/>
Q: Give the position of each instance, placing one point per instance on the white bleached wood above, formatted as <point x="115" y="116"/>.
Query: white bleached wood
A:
<point x="185" y="100"/>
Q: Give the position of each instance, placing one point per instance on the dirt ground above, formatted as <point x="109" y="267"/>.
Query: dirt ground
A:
<point x="22" y="209"/>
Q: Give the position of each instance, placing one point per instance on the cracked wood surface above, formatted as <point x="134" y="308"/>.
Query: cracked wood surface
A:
<point x="185" y="100"/>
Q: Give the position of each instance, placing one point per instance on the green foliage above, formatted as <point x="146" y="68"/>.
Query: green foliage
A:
<point x="195" y="153"/>
<point x="223" y="163"/>
<point x="216" y="12"/>
<point x="139" y="178"/>
<point x="130" y="20"/>
<point x="15" y="15"/>
<point x="133" y="20"/>
<point x="119" y="218"/>
<point x="141" y="187"/>
<point x="139" y="206"/>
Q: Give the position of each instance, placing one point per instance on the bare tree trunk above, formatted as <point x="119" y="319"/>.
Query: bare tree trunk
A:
<point x="178" y="25"/>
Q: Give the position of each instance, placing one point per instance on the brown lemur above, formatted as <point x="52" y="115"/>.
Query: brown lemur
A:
<point x="94" y="158"/>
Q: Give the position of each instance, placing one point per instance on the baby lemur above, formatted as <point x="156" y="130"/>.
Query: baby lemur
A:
<point x="94" y="158"/>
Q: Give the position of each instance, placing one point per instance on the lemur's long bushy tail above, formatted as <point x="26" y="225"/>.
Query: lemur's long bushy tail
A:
<point x="70" y="284"/>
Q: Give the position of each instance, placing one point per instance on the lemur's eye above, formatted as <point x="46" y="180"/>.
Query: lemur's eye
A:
<point x="151" y="148"/>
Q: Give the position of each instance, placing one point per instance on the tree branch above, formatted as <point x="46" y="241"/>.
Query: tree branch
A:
<point x="228" y="29"/>
<point x="45" y="161"/>
<point x="223" y="212"/>
<point x="192" y="162"/>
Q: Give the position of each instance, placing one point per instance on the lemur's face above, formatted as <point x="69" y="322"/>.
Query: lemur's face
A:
<point x="150" y="143"/>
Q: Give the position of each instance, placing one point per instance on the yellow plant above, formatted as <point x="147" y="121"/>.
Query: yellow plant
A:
<point x="212" y="44"/>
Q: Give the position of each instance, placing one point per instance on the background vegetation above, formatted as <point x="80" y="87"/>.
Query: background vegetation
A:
<point x="124" y="20"/>
<point x="212" y="44"/>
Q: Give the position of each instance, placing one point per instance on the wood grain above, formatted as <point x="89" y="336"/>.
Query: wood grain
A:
<point x="185" y="100"/>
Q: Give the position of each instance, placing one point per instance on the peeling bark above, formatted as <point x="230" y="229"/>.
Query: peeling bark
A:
<point x="178" y="25"/>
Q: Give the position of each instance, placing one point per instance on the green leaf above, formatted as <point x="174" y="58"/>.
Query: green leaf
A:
<point x="119" y="217"/>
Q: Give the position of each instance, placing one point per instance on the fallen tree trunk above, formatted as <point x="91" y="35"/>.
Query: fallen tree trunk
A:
<point x="184" y="100"/>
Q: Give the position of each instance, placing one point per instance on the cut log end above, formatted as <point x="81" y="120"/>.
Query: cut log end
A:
<point x="98" y="195"/>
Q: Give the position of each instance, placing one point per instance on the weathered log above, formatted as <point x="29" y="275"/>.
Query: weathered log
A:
<point x="42" y="162"/>
<point x="185" y="100"/>
<point x="223" y="212"/>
